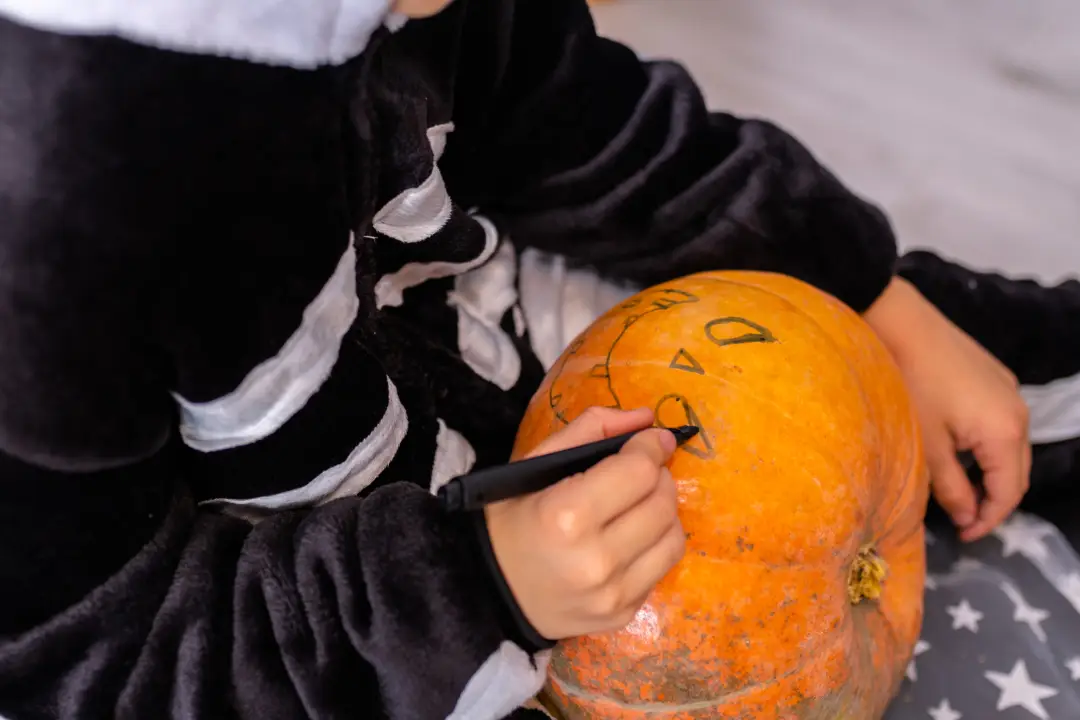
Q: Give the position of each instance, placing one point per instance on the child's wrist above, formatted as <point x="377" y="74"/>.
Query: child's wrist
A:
<point x="512" y="618"/>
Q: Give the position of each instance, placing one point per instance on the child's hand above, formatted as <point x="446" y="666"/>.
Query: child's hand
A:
<point x="966" y="400"/>
<point x="582" y="556"/>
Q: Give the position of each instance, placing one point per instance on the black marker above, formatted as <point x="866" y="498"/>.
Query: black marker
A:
<point x="524" y="477"/>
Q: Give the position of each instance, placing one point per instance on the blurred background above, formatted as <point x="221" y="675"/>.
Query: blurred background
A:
<point x="961" y="118"/>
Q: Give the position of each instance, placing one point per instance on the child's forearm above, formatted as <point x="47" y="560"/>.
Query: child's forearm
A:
<point x="897" y="314"/>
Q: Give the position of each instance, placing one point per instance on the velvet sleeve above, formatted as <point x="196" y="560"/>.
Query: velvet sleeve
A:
<point x="585" y="150"/>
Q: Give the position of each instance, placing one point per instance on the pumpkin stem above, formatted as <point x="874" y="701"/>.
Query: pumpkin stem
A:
<point x="866" y="576"/>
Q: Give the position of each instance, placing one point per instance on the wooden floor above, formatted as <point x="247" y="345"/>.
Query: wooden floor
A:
<point x="962" y="118"/>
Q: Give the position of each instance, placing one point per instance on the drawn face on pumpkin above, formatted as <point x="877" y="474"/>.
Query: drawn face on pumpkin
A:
<point x="705" y="357"/>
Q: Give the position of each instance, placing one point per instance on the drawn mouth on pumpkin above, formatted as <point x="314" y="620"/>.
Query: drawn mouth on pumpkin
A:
<point x="673" y="411"/>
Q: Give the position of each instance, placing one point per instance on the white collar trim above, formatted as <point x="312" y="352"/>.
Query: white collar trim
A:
<point x="297" y="33"/>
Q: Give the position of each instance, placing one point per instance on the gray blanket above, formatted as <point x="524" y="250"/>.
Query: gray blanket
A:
<point x="1001" y="635"/>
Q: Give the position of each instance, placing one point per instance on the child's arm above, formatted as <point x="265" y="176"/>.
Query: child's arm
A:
<point x="581" y="149"/>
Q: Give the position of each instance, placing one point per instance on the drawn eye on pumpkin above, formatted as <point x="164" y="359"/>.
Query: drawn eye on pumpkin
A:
<point x="723" y="331"/>
<point x="737" y="331"/>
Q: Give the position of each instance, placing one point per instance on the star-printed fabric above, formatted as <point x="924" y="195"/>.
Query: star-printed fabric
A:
<point x="1001" y="634"/>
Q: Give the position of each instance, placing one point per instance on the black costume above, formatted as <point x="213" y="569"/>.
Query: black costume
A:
<point x="269" y="273"/>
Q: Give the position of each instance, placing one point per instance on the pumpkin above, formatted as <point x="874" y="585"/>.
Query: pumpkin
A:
<point x="802" y="498"/>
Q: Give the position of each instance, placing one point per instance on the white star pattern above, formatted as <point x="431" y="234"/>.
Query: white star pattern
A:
<point x="966" y="564"/>
<point x="1022" y="656"/>
<point x="1018" y="690"/>
<point x="1025" y="613"/>
<point x="1070" y="588"/>
<point x="944" y="711"/>
<point x="964" y="616"/>
<point x="920" y="647"/>
<point x="1024" y="536"/>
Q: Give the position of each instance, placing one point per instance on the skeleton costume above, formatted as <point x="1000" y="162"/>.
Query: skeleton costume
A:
<point x="270" y="273"/>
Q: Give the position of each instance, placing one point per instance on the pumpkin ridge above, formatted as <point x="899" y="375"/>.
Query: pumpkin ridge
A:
<point x="710" y="276"/>
<point x="813" y="652"/>
<point x="574" y="689"/>
<point x="864" y="649"/>
<point x="914" y="473"/>
<point x="887" y="622"/>
<point x="887" y="537"/>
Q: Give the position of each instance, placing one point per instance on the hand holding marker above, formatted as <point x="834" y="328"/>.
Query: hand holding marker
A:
<point x="477" y="490"/>
<point x="583" y="529"/>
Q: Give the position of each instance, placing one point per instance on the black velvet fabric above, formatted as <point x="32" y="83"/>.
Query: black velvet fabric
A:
<point x="1033" y="328"/>
<point x="584" y="150"/>
<point x="166" y="219"/>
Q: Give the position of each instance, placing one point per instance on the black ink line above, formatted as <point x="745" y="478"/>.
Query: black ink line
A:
<point x="685" y="361"/>
<point x="685" y="299"/>
<point x="673" y="298"/>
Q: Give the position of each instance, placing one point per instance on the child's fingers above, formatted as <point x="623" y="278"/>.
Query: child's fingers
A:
<point x="1005" y="476"/>
<point x="657" y="445"/>
<point x="950" y="484"/>
<point x="637" y="530"/>
<point x="593" y="499"/>
<point x="595" y="424"/>
<point x="651" y="567"/>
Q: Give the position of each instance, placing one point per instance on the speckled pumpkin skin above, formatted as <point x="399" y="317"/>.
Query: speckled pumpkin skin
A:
<point x="809" y="453"/>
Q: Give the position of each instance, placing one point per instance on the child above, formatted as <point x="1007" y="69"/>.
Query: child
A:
<point x="270" y="272"/>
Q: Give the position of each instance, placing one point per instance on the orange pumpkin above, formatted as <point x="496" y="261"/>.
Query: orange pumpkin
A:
<point x="803" y="496"/>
